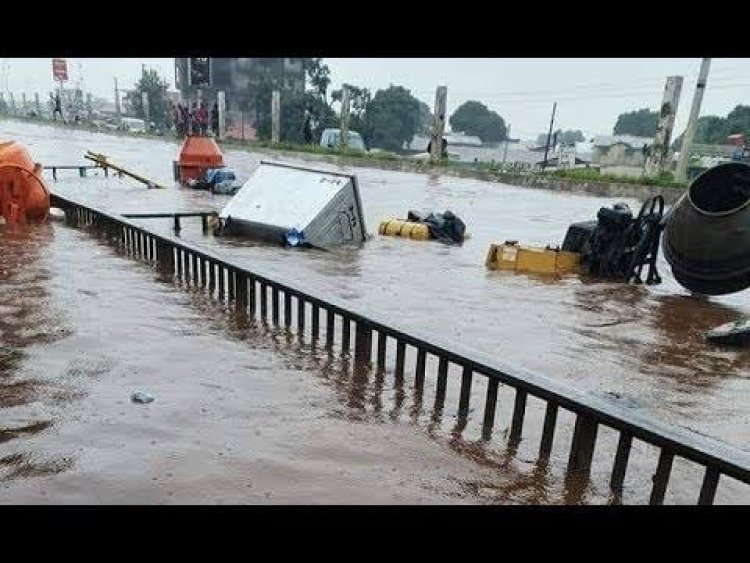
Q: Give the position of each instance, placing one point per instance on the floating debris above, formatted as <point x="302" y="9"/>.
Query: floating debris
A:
<point x="141" y="397"/>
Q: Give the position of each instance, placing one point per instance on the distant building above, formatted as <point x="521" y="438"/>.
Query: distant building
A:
<point x="620" y="150"/>
<point x="236" y="77"/>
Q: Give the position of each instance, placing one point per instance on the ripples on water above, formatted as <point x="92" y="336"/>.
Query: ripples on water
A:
<point x="67" y="334"/>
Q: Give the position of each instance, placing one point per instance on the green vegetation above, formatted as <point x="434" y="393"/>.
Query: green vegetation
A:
<point x="158" y="103"/>
<point x="567" y="137"/>
<point x="641" y="123"/>
<point x="474" y="118"/>
<point x="664" y="180"/>
<point x="714" y="130"/>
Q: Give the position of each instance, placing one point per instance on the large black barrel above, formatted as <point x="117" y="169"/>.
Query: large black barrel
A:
<point x="707" y="233"/>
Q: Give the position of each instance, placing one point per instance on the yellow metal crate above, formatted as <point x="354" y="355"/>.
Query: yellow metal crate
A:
<point x="537" y="260"/>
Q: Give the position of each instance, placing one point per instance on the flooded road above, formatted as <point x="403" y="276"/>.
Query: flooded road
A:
<point x="82" y="328"/>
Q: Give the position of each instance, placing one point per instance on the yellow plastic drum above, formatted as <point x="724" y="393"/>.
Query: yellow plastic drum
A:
<point x="406" y="229"/>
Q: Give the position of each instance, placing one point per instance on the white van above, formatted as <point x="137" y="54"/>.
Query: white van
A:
<point x="133" y="125"/>
<point x="330" y="139"/>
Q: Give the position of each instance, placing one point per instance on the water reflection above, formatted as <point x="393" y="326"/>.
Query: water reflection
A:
<point x="28" y="317"/>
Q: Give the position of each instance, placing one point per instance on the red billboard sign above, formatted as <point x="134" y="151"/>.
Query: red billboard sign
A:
<point x="60" y="69"/>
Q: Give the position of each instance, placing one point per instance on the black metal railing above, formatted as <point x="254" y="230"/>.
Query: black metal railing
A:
<point x="251" y="292"/>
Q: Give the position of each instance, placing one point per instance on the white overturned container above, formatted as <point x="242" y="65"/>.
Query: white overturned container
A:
<point x="291" y="204"/>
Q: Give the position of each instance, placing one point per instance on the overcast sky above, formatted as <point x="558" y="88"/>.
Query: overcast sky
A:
<point x="590" y="93"/>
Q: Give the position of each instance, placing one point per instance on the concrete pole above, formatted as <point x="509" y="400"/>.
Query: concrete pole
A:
<point x="146" y="112"/>
<point x="549" y="135"/>
<point x="695" y="110"/>
<point x="657" y="158"/>
<point x="221" y="102"/>
<point x="38" y="104"/>
<point x="507" y="136"/>
<point x="89" y="107"/>
<point x="2" y="99"/>
<point x="275" y="116"/>
<point x="118" y="113"/>
<point x="12" y="104"/>
<point x="344" y="137"/>
<point x="438" y="127"/>
<point x="23" y="103"/>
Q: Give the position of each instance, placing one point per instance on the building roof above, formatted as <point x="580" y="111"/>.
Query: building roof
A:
<point x="630" y="140"/>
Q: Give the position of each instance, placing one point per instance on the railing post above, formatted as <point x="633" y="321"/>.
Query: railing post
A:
<point x="300" y="315"/>
<point x="330" y="327"/>
<point x="345" y="334"/>
<point x="220" y="274"/>
<point x="661" y="478"/>
<point x="240" y="302"/>
<point x="708" y="488"/>
<point x="287" y="308"/>
<point x="419" y="371"/>
<point x="251" y="296"/>
<point x="519" y="410"/>
<point x="231" y="283"/>
<point x="400" y="357"/>
<point x="548" y="433"/>
<point x="382" y="343"/>
<point x="442" y="381"/>
<point x="621" y="461"/>
<point x="463" y="401"/>
<point x="582" y="447"/>
<point x="363" y="343"/>
<point x="263" y="301"/>
<point x="490" y="405"/>
<point x="275" y="305"/>
<point x="315" y="322"/>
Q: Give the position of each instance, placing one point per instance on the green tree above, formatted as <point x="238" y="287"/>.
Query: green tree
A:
<point x="640" y="123"/>
<point x="474" y="118"/>
<point x="393" y="116"/>
<point x="567" y="137"/>
<point x="156" y="88"/>
<point x="711" y="130"/>
<point x="318" y="75"/>
<point x="425" y="119"/>
<point x="738" y="120"/>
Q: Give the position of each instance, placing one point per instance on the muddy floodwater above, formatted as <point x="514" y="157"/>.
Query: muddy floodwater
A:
<point x="245" y="413"/>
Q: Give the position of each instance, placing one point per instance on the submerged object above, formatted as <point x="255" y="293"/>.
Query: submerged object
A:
<point x="618" y="246"/>
<point x="142" y="397"/>
<point x="445" y="227"/>
<point x="197" y="155"/>
<point x="536" y="260"/>
<point x="736" y="333"/>
<point x="406" y="229"/>
<point x="24" y="196"/>
<point x="297" y="206"/>
<point x="707" y="234"/>
<point x="216" y="180"/>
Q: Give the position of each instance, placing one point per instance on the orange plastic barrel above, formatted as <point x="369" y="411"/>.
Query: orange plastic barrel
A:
<point x="197" y="155"/>
<point x="24" y="196"/>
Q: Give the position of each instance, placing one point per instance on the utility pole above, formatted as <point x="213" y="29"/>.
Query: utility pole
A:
<point x="344" y="129"/>
<point x="37" y="104"/>
<point x="507" y="136"/>
<point x="275" y="116"/>
<point x="221" y="102"/>
<point x="436" y="144"/>
<point x="549" y="136"/>
<point x="118" y="113"/>
<point x="657" y="158"/>
<point x="146" y="112"/>
<point x="687" y="138"/>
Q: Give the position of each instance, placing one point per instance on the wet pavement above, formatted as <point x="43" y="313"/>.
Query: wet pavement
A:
<point x="242" y="414"/>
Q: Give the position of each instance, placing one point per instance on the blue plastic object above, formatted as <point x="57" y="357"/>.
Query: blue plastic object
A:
<point x="295" y="237"/>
